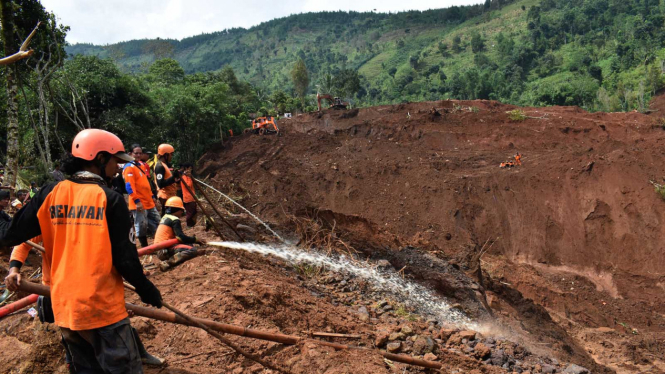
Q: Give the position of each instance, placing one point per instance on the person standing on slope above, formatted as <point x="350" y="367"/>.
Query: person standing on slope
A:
<point x="141" y="204"/>
<point x="167" y="182"/>
<point x="85" y="229"/>
<point x="188" y="185"/>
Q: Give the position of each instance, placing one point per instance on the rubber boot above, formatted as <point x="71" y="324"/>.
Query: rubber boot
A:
<point x="149" y="359"/>
<point x="144" y="241"/>
<point x="146" y="358"/>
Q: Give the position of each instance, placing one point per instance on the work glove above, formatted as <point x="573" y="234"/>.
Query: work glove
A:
<point x="151" y="295"/>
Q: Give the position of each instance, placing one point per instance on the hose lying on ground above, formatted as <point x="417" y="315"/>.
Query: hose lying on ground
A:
<point x="241" y="331"/>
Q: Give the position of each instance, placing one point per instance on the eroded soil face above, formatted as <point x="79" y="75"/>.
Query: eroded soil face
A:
<point x="558" y="260"/>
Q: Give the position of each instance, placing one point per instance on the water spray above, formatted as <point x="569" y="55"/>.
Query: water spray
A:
<point x="411" y="294"/>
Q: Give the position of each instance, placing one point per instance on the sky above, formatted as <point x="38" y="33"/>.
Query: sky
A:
<point x="110" y="21"/>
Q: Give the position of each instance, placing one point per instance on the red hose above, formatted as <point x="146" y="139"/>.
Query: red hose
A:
<point x="18" y="305"/>
<point x="161" y="245"/>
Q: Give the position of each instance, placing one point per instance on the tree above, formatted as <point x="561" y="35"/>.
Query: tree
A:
<point x="653" y="79"/>
<point x="326" y="84"/>
<point x="300" y="79"/>
<point x="443" y="49"/>
<point x="457" y="44"/>
<point x="477" y="43"/>
<point x="597" y="73"/>
<point x="167" y="71"/>
<point x="47" y="62"/>
<point x="9" y="43"/>
<point x="160" y="49"/>
<point x="347" y="83"/>
<point x="413" y="61"/>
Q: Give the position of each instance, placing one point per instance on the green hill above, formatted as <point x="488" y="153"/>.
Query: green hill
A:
<point x="599" y="54"/>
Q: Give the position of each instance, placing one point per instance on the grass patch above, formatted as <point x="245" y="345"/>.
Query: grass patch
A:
<point x="516" y="115"/>
<point x="307" y="271"/>
<point x="660" y="189"/>
<point x="402" y="312"/>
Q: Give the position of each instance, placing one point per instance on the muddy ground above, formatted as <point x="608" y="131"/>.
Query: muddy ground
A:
<point x="559" y="260"/>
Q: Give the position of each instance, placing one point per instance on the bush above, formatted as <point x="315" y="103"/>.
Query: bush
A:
<point x="516" y="115"/>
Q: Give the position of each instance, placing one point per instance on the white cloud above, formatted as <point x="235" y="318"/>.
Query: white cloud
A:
<point x="111" y="21"/>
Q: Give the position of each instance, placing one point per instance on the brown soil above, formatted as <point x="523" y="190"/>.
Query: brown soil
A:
<point x="561" y="255"/>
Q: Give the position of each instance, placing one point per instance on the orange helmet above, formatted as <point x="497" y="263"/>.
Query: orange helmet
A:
<point x="88" y="143"/>
<point x="174" y="202"/>
<point x="164" y="149"/>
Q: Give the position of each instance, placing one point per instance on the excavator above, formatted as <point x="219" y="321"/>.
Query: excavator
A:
<point x="264" y="126"/>
<point x="335" y="102"/>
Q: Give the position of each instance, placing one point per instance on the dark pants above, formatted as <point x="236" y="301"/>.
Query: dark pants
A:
<point x="190" y="208"/>
<point x="163" y="204"/>
<point x="110" y="349"/>
<point x="177" y="254"/>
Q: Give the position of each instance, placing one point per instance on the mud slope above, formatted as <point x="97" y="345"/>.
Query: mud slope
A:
<point x="581" y="207"/>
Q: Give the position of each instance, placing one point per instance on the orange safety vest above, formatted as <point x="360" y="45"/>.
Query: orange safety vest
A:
<point x="186" y="196"/>
<point x="168" y="191"/>
<point x="165" y="232"/>
<point x="140" y="186"/>
<point x="86" y="290"/>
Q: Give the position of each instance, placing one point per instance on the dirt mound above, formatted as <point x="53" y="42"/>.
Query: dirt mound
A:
<point x="426" y="175"/>
<point x="557" y="262"/>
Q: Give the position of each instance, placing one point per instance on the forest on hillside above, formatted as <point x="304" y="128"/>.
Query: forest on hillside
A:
<point x="597" y="54"/>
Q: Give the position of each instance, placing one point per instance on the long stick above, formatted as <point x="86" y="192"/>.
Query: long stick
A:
<point x="215" y="334"/>
<point x="36" y="246"/>
<point x="238" y="330"/>
<point x="197" y="187"/>
<point x="222" y="194"/>
<point x="214" y="226"/>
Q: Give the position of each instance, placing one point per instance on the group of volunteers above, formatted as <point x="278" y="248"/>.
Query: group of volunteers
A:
<point x="84" y="224"/>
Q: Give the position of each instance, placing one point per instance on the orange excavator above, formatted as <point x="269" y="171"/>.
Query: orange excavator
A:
<point x="264" y="126"/>
<point x="335" y="102"/>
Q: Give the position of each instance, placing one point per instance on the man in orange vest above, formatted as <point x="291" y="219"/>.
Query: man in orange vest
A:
<point x="171" y="228"/>
<point x="187" y="198"/>
<point x="141" y="203"/>
<point x="85" y="229"/>
<point x="167" y="182"/>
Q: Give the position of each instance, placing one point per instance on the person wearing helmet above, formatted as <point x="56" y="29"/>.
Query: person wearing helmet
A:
<point x="85" y="229"/>
<point x="167" y="182"/>
<point x="171" y="228"/>
<point x="141" y="204"/>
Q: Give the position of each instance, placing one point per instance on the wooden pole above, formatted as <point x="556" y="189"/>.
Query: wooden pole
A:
<point x="241" y="331"/>
<point x="214" y="226"/>
<point x="198" y="187"/>
<point x="214" y="333"/>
